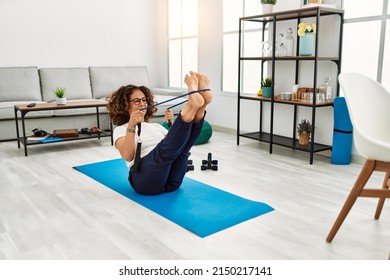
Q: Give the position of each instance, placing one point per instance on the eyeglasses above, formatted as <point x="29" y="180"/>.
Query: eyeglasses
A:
<point x="137" y="101"/>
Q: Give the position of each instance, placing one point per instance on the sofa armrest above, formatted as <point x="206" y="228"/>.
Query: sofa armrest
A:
<point x="167" y="91"/>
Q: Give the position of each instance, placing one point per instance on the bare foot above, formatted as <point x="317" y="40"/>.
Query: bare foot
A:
<point x="191" y="81"/>
<point x="204" y="83"/>
<point x="195" y="99"/>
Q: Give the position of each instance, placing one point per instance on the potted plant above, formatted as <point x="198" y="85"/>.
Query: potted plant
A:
<point x="60" y="93"/>
<point x="304" y="129"/>
<point x="268" y="5"/>
<point x="266" y="86"/>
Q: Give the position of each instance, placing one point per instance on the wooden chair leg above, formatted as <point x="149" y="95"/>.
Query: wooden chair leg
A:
<point x="361" y="181"/>
<point x="381" y="202"/>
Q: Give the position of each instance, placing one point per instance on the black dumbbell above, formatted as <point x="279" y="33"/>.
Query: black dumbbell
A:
<point x="190" y="166"/>
<point x="209" y="163"/>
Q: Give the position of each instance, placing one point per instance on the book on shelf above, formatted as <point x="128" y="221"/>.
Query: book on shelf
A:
<point x="51" y="139"/>
<point x="37" y="138"/>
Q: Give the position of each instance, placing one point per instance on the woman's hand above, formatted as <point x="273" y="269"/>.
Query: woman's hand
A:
<point x="135" y="118"/>
<point x="169" y="116"/>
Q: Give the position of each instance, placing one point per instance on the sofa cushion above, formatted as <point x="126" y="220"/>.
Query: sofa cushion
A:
<point x="75" y="81"/>
<point x="167" y="91"/>
<point x="19" y="84"/>
<point x="106" y="80"/>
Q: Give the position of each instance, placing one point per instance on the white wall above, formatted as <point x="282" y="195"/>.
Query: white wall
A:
<point x="81" y="33"/>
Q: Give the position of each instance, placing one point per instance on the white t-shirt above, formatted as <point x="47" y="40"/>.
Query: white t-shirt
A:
<point x="151" y="135"/>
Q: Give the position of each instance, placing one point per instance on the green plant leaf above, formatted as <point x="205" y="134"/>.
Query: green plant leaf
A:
<point x="59" y="92"/>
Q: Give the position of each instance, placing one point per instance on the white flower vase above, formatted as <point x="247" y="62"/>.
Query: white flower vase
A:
<point x="61" y="101"/>
<point x="267" y="8"/>
<point x="306" y="44"/>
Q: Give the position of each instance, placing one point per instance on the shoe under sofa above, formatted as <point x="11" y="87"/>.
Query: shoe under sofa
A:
<point x="24" y="85"/>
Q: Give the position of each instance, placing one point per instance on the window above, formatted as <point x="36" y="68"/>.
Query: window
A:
<point x="386" y="59"/>
<point x="232" y="11"/>
<point x="361" y="47"/>
<point x="360" y="8"/>
<point x="183" y="40"/>
<point x="366" y="42"/>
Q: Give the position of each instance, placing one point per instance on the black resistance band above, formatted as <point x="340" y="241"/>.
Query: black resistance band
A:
<point x="174" y="98"/>
<point x="137" y="159"/>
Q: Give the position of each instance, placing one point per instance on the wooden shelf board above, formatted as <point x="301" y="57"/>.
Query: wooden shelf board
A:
<point x="289" y="102"/>
<point x="303" y="12"/>
<point x="266" y="58"/>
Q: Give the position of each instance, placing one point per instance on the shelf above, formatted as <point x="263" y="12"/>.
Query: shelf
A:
<point x="285" y="142"/>
<point x="311" y="63"/>
<point x="294" y="14"/>
<point x="79" y="137"/>
<point x="293" y="58"/>
<point x="288" y="102"/>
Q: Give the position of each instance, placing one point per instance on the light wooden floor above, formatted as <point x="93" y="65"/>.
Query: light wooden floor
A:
<point x="50" y="211"/>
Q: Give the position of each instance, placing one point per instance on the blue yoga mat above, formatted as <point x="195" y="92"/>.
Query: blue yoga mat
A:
<point x="196" y="206"/>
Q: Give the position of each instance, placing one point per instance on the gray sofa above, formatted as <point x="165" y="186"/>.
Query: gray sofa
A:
<point x="24" y="85"/>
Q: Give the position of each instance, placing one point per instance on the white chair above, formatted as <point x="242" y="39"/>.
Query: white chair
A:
<point x="369" y="107"/>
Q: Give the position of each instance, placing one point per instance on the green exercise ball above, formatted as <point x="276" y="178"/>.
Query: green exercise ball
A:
<point x="204" y="135"/>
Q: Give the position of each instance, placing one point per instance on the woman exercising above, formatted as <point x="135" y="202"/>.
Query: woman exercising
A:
<point x="163" y="155"/>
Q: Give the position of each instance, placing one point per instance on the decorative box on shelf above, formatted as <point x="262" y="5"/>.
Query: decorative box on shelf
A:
<point x="66" y="133"/>
<point x="305" y="95"/>
<point x="322" y="3"/>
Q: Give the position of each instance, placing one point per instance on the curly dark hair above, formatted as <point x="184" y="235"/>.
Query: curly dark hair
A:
<point x="118" y="104"/>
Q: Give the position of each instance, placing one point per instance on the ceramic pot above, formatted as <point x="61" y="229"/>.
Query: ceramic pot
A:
<point x="61" y="101"/>
<point x="267" y="92"/>
<point x="304" y="138"/>
<point x="267" y="8"/>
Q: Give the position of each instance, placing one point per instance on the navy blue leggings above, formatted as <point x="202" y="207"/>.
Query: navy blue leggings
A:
<point x="163" y="169"/>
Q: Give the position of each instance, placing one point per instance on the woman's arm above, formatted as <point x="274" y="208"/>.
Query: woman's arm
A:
<point x="126" y="144"/>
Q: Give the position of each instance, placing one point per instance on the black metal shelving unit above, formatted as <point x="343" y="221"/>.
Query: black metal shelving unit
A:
<point x="273" y="18"/>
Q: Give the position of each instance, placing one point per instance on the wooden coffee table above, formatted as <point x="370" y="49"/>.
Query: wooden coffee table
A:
<point x="24" y="110"/>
